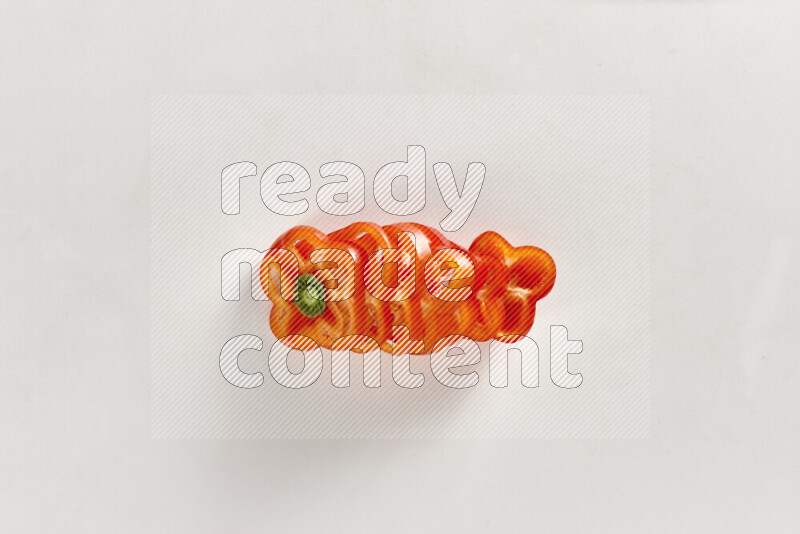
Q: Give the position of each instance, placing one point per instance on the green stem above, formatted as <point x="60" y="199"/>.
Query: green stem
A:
<point x="310" y="296"/>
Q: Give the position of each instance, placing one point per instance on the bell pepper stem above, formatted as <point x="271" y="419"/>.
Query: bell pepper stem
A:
<point x="310" y="296"/>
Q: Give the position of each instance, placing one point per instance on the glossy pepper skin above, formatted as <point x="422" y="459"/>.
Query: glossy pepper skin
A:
<point x="506" y="284"/>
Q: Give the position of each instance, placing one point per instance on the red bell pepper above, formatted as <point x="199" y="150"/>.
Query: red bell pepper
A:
<point x="342" y="290"/>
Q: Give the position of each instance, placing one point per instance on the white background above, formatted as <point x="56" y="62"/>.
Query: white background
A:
<point x="567" y="174"/>
<point x="75" y="448"/>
